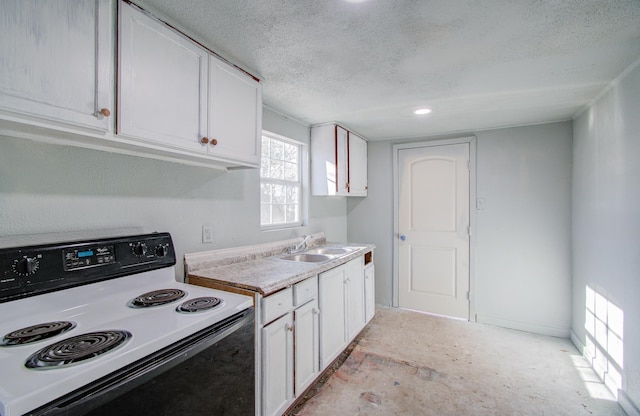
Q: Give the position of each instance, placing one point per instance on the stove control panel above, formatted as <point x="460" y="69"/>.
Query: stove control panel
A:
<point x="31" y="270"/>
<point x="88" y="256"/>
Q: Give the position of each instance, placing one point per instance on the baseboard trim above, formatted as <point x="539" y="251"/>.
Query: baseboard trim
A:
<point x="629" y="407"/>
<point x="627" y="404"/>
<point x="523" y="326"/>
<point x="577" y="343"/>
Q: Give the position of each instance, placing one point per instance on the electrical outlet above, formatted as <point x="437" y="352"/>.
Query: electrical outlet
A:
<point x="207" y="234"/>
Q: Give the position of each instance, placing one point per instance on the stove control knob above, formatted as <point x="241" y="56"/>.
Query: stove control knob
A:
<point x="139" y="249"/>
<point x="26" y="266"/>
<point x="162" y="250"/>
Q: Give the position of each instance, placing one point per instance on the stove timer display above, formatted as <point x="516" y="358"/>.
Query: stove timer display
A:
<point x="88" y="257"/>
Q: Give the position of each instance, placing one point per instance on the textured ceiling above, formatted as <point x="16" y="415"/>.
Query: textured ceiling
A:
<point x="477" y="64"/>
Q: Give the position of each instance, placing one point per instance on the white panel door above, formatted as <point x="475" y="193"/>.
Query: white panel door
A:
<point x="433" y="223"/>
<point x="162" y="83"/>
<point x="56" y="60"/>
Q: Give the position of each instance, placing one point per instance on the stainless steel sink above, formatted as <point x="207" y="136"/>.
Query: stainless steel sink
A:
<point x="306" y="257"/>
<point x="328" y="250"/>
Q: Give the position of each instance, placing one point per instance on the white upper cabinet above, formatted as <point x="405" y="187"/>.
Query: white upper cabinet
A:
<point x="56" y="62"/>
<point x="235" y="114"/>
<point x="338" y="162"/>
<point x="162" y="83"/>
<point x="172" y="92"/>
<point x="357" y="165"/>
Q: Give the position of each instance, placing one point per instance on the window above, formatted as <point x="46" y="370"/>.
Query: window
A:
<point x="280" y="182"/>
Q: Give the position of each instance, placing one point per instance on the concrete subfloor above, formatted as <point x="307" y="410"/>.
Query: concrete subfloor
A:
<point x="407" y="363"/>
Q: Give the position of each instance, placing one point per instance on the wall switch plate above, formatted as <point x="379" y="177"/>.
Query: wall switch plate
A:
<point x="207" y="234"/>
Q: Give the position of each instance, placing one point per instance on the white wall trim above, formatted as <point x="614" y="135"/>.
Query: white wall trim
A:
<point x="471" y="140"/>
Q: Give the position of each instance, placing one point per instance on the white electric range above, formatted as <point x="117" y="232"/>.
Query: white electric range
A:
<point x="84" y="322"/>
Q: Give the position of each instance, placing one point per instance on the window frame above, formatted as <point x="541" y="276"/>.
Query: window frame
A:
<point x="301" y="183"/>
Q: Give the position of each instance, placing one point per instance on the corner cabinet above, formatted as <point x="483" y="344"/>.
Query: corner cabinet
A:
<point x="175" y="94"/>
<point x="338" y="162"/>
<point x="57" y="63"/>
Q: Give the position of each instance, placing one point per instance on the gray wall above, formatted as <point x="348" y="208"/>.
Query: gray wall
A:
<point x="522" y="274"/>
<point x="58" y="189"/>
<point x="606" y="220"/>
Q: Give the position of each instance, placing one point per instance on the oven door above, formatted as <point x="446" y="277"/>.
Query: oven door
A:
<point x="211" y="372"/>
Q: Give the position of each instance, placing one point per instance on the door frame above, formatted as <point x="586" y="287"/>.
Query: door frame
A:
<point x="471" y="140"/>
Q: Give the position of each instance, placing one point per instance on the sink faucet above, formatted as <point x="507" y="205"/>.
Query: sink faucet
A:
<point x="302" y="245"/>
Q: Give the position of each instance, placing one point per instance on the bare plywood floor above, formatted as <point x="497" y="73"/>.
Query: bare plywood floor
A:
<point x="406" y="363"/>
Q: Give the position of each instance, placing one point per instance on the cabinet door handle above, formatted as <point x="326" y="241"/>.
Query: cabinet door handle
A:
<point x="315" y="311"/>
<point x="102" y="113"/>
<point x="288" y="327"/>
<point x="204" y="140"/>
<point x="213" y="142"/>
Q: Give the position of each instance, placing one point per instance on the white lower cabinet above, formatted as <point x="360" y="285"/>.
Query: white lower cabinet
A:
<point x="306" y="345"/>
<point x="341" y="294"/>
<point x="305" y="328"/>
<point x="290" y="345"/>
<point x="277" y="365"/>
<point x="331" y="292"/>
<point x="369" y="292"/>
<point x="355" y="298"/>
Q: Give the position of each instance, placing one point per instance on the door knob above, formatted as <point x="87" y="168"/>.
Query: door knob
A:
<point x="403" y="237"/>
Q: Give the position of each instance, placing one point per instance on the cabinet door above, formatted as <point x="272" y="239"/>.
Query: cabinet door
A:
<point x="369" y="292"/>
<point x="162" y="86"/>
<point x="57" y="60"/>
<point x="332" y="314"/>
<point x="307" y="345"/>
<point x="235" y="113"/>
<point x="277" y="365"/>
<point x="357" y="166"/>
<point x="355" y="297"/>
<point x="342" y="161"/>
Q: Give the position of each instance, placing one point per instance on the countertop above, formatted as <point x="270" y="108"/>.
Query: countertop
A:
<point x="268" y="273"/>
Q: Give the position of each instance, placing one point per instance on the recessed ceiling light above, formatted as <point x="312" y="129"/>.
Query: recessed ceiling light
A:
<point x="422" y="111"/>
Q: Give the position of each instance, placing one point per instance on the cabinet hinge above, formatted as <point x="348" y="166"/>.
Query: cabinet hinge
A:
<point x="468" y="296"/>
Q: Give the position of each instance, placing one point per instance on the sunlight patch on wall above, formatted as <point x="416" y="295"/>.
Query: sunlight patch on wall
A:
<point x="604" y="343"/>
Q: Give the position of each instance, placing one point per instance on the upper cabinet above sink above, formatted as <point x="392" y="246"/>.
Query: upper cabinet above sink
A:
<point x="338" y="161"/>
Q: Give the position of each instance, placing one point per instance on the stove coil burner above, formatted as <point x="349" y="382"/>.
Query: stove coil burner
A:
<point x="76" y="349"/>
<point x="198" y="304"/>
<point x="36" y="333"/>
<point x="157" y="298"/>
